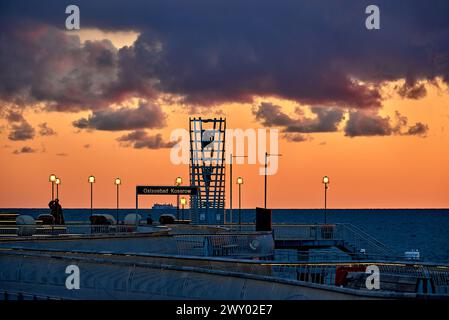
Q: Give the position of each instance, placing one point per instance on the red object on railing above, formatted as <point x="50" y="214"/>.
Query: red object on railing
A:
<point x="342" y="271"/>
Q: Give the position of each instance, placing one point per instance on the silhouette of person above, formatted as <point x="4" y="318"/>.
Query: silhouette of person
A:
<point x="51" y="205"/>
<point x="56" y="211"/>
<point x="59" y="216"/>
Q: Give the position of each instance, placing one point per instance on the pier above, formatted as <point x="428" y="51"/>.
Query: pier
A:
<point x="142" y="261"/>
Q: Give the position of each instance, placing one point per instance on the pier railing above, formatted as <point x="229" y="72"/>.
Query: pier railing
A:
<point x="361" y="242"/>
<point x="345" y="236"/>
<point x="237" y="245"/>
<point x="353" y="242"/>
<point x="413" y="278"/>
<point x="28" y="230"/>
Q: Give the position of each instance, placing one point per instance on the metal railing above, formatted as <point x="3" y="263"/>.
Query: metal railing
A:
<point x="357" y="244"/>
<point x="29" y="230"/>
<point x="423" y="278"/>
<point x="359" y="239"/>
<point x="225" y="245"/>
<point x="354" y="241"/>
<point x="420" y="278"/>
<point x="354" y="238"/>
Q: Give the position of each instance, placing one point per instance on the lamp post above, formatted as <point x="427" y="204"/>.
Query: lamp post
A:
<point x="57" y="182"/>
<point x="240" y="182"/>
<point x="183" y="203"/>
<point x="117" y="182"/>
<point x="52" y="179"/>
<point x="91" y="181"/>
<point x="326" y="186"/>
<point x="230" y="186"/>
<point x="266" y="161"/>
<point x="178" y="183"/>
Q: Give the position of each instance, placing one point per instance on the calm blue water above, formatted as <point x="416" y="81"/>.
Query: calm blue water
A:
<point x="402" y="229"/>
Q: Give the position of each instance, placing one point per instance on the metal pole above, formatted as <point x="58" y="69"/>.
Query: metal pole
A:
<point x="57" y="191"/>
<point x="116" y="222"/>
<point x="265" y="202"/>
<point x="230" y="186"/>
<point x="325" y="204"/>
<point x="137" y="208"/>
<point x="52" y="190"/>
<point x="240" y="204"/>
<point x="177" y="207"/>
<point x="182" y="212"/>
<point x="91" y="200"/>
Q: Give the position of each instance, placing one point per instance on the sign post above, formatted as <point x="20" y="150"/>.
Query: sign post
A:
<point x="163" y="190"/>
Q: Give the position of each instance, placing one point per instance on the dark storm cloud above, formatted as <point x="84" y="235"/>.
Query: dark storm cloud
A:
<point x="25" y="149"/>
<point x="271" y="115"/>
<point x="326" y="119"/>
<point x="139" y="139"/>
<point x="147" y="115"/>
<point x="368" y="123"/>
<point x="40" y="63"/>
<point x="21" y="131"/>
<point x="211" y="52"/>
<point x="412" y="90"/>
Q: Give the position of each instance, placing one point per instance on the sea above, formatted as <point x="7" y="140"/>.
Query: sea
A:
<point x="426" y="230"/>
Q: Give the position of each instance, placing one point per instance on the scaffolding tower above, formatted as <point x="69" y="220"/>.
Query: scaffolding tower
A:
<point x="207" y="169"/>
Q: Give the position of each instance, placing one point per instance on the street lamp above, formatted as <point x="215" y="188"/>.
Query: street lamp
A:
<point x="240" y="182"/>
<point x="117" y="182"/>
<point x="183" y="203"/>
<point x="57" y="182"/>
<point x="178" y="182"/>
<point x="91" y="181"/>
<point x="326" y="186"/>
<point x="266" y="161"/>
<point x="230" y="187"/>
<point x="52" y="179"/>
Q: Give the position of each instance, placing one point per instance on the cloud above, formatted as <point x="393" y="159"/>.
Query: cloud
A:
<point x="296" y="137"/>
<point x="369" y="123"/>
<point x="419" y="129"/>
<point x="326" y="118"/>
<point x="140" y="139"/>
<point x="146" y="115"/>
<point x="63" y="154"/>
<point x="87" y="146"/>
<point x="45" y="130"/>
<point x="216" y="52"/>
<point x="21" y="131"/>
<point x="412" y="90"/>
<point x="43" y="64"/>
<point x="25" y="149"/>
<point x="14" y="116"/>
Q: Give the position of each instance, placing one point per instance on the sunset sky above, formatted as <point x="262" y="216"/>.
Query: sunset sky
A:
<point x="368" y="108"/>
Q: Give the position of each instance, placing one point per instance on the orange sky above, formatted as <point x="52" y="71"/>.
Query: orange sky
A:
<point x="365" y="172"/>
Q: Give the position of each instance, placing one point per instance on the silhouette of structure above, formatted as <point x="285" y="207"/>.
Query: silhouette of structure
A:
<point x="207" y="169"/>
